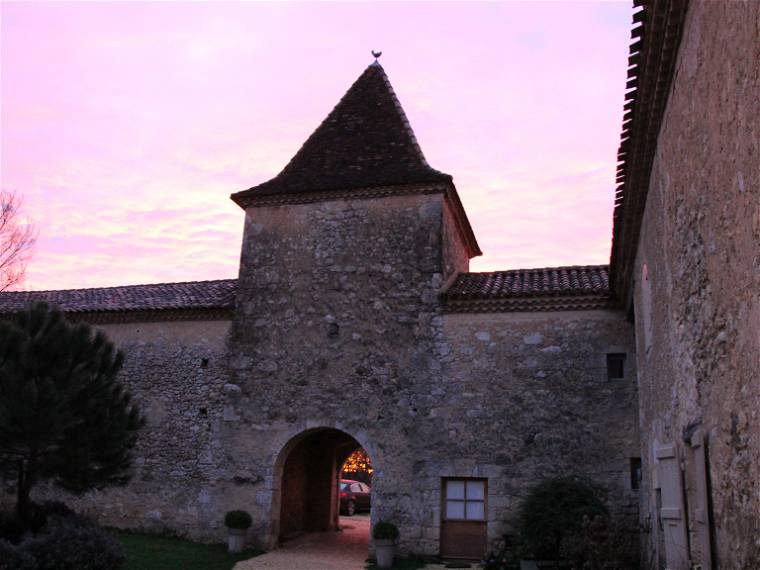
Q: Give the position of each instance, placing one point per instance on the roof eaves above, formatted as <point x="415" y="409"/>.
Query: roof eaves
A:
<point x="652" y="60"/>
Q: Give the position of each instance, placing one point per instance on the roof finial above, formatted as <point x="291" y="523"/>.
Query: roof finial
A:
<point x="376" y="54"/>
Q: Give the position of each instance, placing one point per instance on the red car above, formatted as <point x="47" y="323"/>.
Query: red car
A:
<point x="354" y="497"/>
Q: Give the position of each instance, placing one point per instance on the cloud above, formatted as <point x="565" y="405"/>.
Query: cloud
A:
<point x="127" y="125"/>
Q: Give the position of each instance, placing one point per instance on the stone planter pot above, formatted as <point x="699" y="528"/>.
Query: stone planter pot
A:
<point x="384" y="551"/>
<point x="236" y="539"/>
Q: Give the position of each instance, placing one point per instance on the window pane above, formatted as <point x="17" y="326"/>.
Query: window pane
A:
<point x="476" y="490"/>
<point x="475" y="511"/>
<point x="454" y="509"/>
<point x="455" y="489"/>
<point x="615" y="366"/>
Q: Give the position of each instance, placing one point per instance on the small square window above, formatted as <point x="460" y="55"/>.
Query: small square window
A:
<point x="464" y="499"/>
<point x="615" y="366"/>
<point x="635" y="472"/>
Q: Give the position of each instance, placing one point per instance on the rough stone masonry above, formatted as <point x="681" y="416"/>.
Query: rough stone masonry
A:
<point x="355" y="321"/>
<point x="354" y="311"/>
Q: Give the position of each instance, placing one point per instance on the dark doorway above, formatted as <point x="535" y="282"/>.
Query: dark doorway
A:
<point x="309" y="499"/>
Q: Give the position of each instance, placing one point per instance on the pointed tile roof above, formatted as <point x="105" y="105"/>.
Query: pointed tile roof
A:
<point x="365" y="141"/>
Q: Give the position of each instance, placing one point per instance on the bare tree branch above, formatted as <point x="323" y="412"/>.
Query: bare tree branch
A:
<point x="17" y="238"/>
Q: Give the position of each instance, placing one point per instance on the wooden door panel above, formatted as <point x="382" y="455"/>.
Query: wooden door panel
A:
<point x="463" y="539"/>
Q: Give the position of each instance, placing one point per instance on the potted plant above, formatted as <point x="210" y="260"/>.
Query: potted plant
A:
<point x="385" y="535"/>
<point x="237" y="523"/>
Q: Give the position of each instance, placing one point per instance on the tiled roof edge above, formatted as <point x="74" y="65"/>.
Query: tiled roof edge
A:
<point x="143" y="316"/>
<point x="537" y="303"/>
<point x="652" y="60"/>
<point x="580" y="287"/>
<point x="216" y="302"/>
<point x="251" y="200"/>
<point x="133" y="285"/>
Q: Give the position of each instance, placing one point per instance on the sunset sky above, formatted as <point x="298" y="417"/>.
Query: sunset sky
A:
<point x="126" y="126"/>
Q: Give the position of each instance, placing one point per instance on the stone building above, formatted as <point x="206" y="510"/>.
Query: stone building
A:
<point x="355" y="321"/>
<point x="686" y="268"/>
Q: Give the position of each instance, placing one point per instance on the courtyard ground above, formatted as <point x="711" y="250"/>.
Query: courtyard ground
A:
<point x="344" y="550"/>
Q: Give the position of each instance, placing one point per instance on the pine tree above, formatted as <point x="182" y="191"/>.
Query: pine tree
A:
<point x="64" y="415"/>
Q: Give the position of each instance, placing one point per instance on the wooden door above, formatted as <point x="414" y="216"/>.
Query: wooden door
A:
<point x="464" y="510"/>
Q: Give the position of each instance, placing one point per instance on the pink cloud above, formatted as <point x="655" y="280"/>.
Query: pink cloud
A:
<point x="127" y="125"/>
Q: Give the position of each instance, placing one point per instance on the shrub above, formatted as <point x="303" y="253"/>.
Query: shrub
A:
<point x="505" y="558"/>
<point x="555" y="508"/>
<point x="238" y="519"/>
<point x="12" y="559"/>
<point x="385" y="530"/>
<point x="603" y="543"/>
<point x="70" y="545"/>
<point x="39" y="513"/>
<point x="12" y="529"/>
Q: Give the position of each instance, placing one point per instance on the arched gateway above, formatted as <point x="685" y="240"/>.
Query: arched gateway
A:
<point x="306" y="475"/>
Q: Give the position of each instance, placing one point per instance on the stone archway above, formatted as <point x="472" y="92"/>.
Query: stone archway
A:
<point x="306" y="473"/>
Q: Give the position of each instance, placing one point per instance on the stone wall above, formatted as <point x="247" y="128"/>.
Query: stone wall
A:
<point x="334" y="328"/>
<point x="698" y="283"/>
<point x="176" y="371"/>
<point x="455" y="258"/>
<point x="339" y="325"/>
<point x="526" y="396"/>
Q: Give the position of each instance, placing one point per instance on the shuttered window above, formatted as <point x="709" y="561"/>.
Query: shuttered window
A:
<point x="672" y="512"/>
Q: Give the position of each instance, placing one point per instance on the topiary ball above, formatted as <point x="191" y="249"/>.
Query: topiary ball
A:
<point x="385" y="530"/>
<point x="238" y="519"/>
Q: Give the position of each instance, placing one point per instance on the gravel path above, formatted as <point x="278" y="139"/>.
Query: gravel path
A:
<point x="343" y="550"/>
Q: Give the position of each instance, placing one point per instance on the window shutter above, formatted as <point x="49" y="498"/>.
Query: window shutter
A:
<point x="672" y="511"/>
<point x="701" y="554"/>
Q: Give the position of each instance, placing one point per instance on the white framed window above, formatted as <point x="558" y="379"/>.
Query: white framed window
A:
<point x="464" y="499"/>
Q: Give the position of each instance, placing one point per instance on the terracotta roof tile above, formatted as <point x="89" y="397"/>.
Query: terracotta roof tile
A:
<point x="365" y="141"/>
<point x="549" y="281"/>
<point x="218" y="294"/>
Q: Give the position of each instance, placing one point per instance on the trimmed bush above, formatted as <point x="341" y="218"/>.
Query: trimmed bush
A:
<point x="554" y="509"/>
<point x="385" y="530"/>
<point x="238" y="519"/>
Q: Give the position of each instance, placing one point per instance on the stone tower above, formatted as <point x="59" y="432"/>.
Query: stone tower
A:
<point x="337" y="310"/>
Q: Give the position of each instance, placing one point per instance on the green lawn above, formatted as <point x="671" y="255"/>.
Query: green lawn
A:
<point x="145" y="552"/>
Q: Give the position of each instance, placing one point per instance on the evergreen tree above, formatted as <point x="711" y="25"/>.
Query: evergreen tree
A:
<point x="64" y="416"/>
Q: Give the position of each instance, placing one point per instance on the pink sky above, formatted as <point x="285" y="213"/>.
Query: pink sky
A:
<point x="125" y="126"/>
